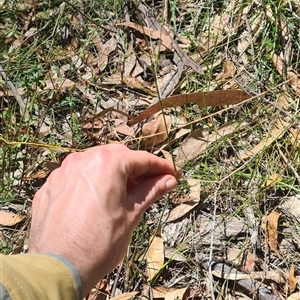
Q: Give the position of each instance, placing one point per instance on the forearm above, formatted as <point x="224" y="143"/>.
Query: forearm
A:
<point x="38" y="276"/>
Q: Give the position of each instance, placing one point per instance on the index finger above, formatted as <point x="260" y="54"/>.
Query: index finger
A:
<point x="136" y="163"/>
<point x="143" y="163"/>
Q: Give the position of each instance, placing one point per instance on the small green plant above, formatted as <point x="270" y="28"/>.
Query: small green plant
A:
<point x="76" y="129"/>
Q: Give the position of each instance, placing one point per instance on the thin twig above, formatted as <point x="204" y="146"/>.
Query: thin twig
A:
<point x="14" y="92"/>
<point x="290" y="166"/>
<point x="113" y="291"/>
<point x="211" y="279"/>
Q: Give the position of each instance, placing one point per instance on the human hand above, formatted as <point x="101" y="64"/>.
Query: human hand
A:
<point x="88" y="208"/>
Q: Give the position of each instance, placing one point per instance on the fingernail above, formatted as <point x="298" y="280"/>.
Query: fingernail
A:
<point x="171" y="184"/>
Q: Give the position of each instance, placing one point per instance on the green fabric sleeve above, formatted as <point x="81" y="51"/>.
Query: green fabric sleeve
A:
<point x="39" y="276"/>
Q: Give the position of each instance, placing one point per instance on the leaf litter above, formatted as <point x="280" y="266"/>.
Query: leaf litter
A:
<point x="193" y="88"/>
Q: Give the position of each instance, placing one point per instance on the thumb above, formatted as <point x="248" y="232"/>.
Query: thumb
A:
<point x="150" y="190"/>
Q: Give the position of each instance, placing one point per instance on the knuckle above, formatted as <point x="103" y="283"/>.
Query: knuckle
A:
<point x="154" y="194"/>
<point x="71" y="159"/>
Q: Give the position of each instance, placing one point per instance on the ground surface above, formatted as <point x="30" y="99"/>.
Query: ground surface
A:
<point x="75" y="74"/>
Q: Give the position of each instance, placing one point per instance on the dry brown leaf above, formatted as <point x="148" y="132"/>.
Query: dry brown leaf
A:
<point x="166" y="40"/>
<point x="130" y="60"/>
<point x="195" y="144"/>
<point x="278" y="130"/>
<point x="156" y="131"/>
<point x="100" y="292"/>
<point x="179" y="134"/>
<point x="214" y="35"/>
<point x="278" y="63"/>
<point x="125" y="296"/>
<point x="10" y="219"/>
<point x="144" y="62"/>
<point x="247" y="38"/>
<point x="102" y="57"/>
<point x="272" y="180"/>
<point x="295" y="296"/>
<point x="292" y="205"/>
<point x="125" y="129"/>
<point x="270" y="224"/>
<point x="174" y="255"/>
<point x="178" y="294"/>
<point x="32" y="31"/>
<point x="155" y="24"/>
<point x="292" y="279"/>
<point x="242" y="258"/>
<point x="134" y="83"/>
<point x="295" y="137"/>
<point x="9" y="93"/>
<point x="38" y="175"/>
<point x="161" y="291"/>
<point x="284" y="101"/>
<point x="294" y="81"/>
<point x="167" y="155"/>
<point x="52" y="84"/>
<point x="155" y="257"/>
<point x="233" y="273"/>
<point x="293" y="77"/>
<point x="104" y="50"/>
<point x="181" y="210"/>
<point x="195" y="189"/>
<point x="285" y="32"/>
<point x="274" y="275"/>
<point x="243" y="44"/>
<point x="213" y="98"/>
<point x="229" y="69"/>
<point x="192" y="200"/>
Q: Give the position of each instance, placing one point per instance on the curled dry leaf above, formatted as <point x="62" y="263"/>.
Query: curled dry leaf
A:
<point x="10" y="219"/>
<point x="38" y="175"/>
<point x="270" y="224"/>
<point x="292" y="279"/>
<point x="155" y="257"/>
<point x="156" y="131"/>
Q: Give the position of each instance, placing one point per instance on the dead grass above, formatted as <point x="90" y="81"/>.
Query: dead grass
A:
<point x="73" y="75"/>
